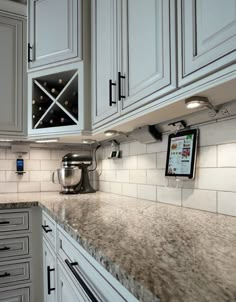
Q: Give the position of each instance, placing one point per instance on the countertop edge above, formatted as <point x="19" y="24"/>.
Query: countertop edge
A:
<point x="133" y="286"/>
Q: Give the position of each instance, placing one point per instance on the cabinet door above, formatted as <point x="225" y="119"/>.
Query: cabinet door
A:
<point x="147" y="38"/>
<point x="49" y="274"/>
<point x="104" y="60"/>
<point x="16" y="295"/>
<point x="53" y="30"/>
<point x="11" y="74"/>
<point x="67" y="291"/>
<point x="208" y="31"/>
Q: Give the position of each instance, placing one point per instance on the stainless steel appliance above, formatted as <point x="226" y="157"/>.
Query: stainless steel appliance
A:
<point x="73" y="176"/>
<point x="68" y="177"/>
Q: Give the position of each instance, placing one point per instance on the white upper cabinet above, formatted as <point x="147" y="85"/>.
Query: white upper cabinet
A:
<point x="146" y="50"/>
<point x="54" y="29"/>
<point x="105" y="55"/>
<point x="12" y="74"/>
<point x="207" y="37"/>
<point x="133" y="55"/>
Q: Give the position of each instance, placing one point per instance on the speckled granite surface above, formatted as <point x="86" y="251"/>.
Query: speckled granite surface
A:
<point x="154" y="250"/>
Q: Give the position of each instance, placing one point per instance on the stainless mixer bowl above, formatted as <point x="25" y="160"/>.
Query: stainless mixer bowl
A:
<point x="67" y="176"/>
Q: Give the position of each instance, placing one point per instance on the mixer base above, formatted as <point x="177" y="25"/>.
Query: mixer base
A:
<point x="69" y="191"/>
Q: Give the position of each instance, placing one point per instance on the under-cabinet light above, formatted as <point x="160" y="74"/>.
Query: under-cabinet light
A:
<point x="199" y="102"/>
<point x="110" y="132"/>
<point x="5" y="140"/>
<point x="54" y="140"/>
<point x="89" y="141"/>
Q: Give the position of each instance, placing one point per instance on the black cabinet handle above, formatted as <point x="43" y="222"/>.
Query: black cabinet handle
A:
<point x="29" y="50"/>
<point x="5" y="248"/>
<point x="110" y="92"/>
<point x="4" y="222"/>
<point x="49" y="270"/>
<point x="120" y="96"/>
<point x="5" y="275"/>
<point x="46" y="228"/>
<point x="80" y="280"/>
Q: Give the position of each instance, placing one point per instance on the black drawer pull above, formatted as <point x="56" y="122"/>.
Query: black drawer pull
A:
<point x="110" y="92"/>
<point x="46" y="228"/>
<point x="120" y="96"/>
<point x="29" y="49"/>
<point x="80" y="280"/>
<point x="5" y="275"/>
<point x="5" y="248"/>
<point x="49" y="270"/>
<point x="4" y="222"/>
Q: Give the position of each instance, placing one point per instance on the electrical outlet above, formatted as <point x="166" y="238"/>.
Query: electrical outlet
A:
<point x="212" y="113"/>
<point x="224" y="112"/>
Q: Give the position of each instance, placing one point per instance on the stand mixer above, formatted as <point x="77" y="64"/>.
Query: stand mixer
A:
<point x="73" y="176"/>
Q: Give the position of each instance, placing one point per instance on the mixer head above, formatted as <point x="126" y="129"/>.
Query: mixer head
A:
<point x="74" y="159"/>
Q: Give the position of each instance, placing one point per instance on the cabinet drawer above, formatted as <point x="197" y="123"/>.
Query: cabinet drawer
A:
<point x="15" y="295"/>
<point x="99" y="286"/>
<point x="49" y="229"/>
<point x="12" y="246"/>
<point x="14" y="221"/>
<point x="67" y="290"/>
<point x="14" y="272"/>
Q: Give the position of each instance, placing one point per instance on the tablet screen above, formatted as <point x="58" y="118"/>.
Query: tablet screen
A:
<point x="181" y="154"/>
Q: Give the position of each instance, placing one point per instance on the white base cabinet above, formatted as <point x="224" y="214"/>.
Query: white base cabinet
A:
<point x="49" y="274"/>
<point x="15" y="295"/>
<point x="67" y="290"/>
<point x="71" y="274"/>
<point x="17" y="270"/>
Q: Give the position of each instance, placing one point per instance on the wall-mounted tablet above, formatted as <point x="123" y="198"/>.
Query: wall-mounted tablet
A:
<point x="181" y="154"/>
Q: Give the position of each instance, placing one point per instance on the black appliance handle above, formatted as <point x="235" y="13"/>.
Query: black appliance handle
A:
<point x="49" y="270"/>
<point x="5" y="275"/>
<point x="5" y="248"/>
<point x="4" y="222"/>
<point x="110" y="92"/>
<point x="46" y="228"/>
<point x="81" y="281"/>
<point x="29" y="49"/>
<point x="120" y="96"/>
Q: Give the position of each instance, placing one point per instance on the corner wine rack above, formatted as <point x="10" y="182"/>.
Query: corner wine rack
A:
<point x="55" y="100"/>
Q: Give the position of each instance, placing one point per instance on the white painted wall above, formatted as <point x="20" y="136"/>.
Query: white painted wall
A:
<point x="140" y="173"/>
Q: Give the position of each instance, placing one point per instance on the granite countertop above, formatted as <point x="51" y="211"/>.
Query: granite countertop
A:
<point x="156" y="251"/>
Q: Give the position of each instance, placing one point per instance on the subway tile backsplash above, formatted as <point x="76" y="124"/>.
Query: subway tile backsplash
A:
<point x="39" y="164"/>
<point x="141" y="172"/>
